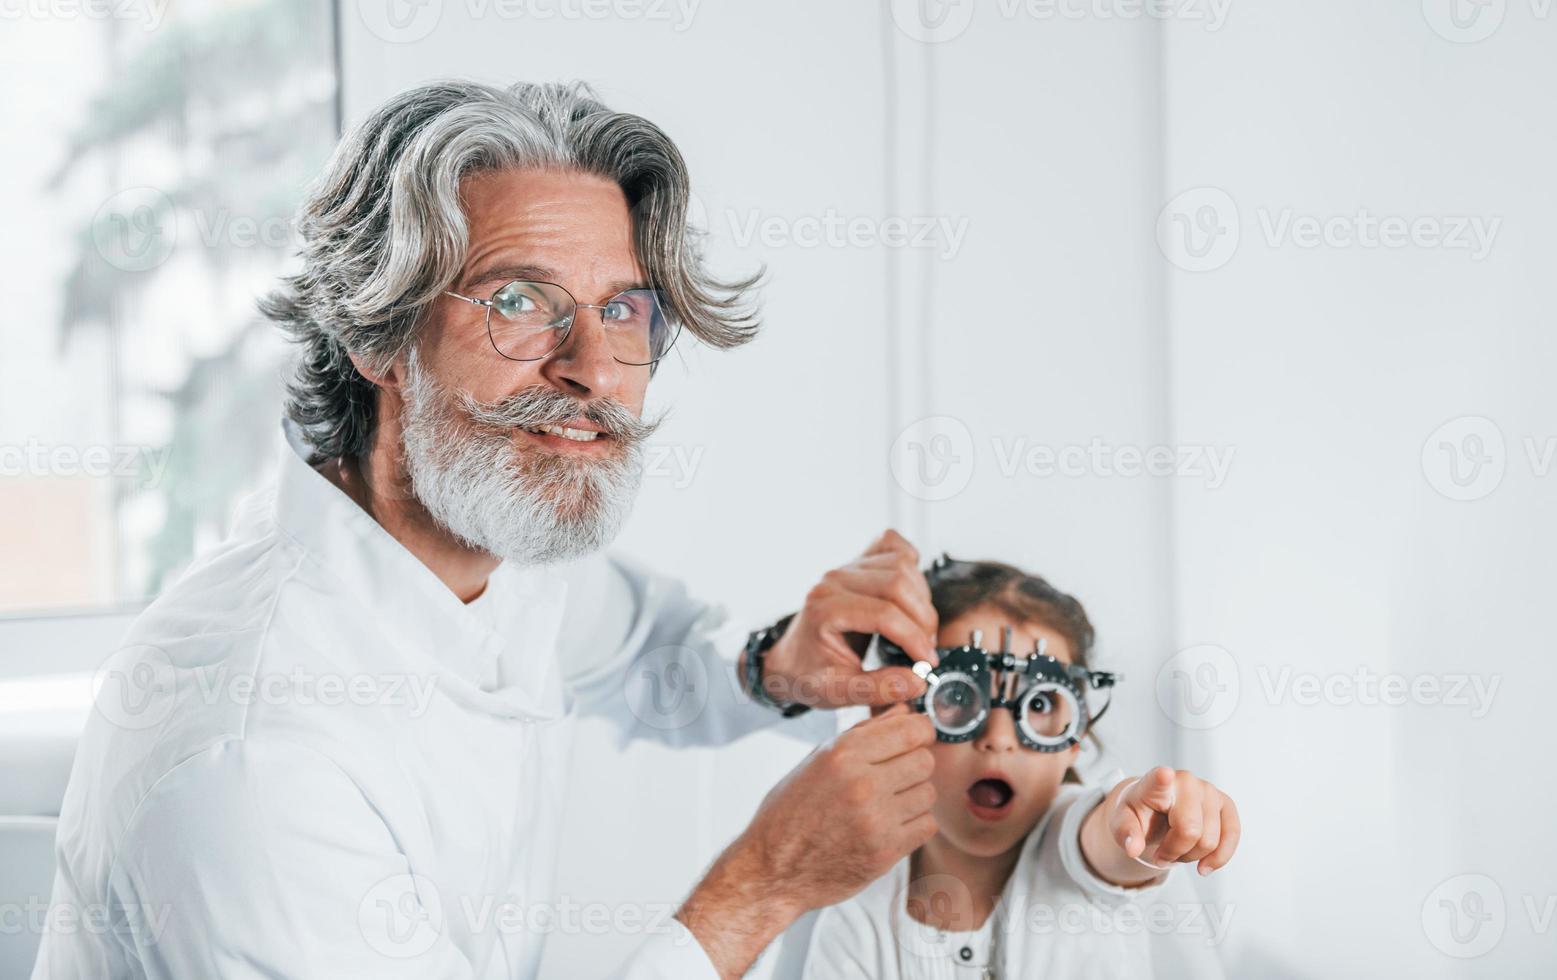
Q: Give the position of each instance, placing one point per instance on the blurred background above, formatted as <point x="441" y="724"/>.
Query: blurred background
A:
<point x="1232" y="317"/>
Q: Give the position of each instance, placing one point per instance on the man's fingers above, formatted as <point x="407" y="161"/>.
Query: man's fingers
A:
<point x="914" y="831"/>
<point x="886" y="685"/>
<point x="889" y="735"/>
<point x="892" y="542"/>
<point x="1231" y="831"/>
<point x="918" y="830"/>
<point x="853" y="612"/>
<point x="876" y="714"/>
<point x="914" y="800"/>
<point x="908" y="593"/>
<point x="907" y="770"/>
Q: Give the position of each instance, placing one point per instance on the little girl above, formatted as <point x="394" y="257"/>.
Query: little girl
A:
<point x="1032" y="873"/>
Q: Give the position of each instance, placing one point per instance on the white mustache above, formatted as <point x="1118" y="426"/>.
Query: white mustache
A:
<point x="538" y="405"/>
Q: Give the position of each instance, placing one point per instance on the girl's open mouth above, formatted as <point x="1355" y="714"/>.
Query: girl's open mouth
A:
<point x="990" y="799"/>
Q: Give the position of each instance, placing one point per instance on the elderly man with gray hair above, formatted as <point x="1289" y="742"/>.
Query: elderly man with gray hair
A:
<point x="347" y="725"/>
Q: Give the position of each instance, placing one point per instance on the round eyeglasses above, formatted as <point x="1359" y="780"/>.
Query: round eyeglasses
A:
<point x="526" y="321"/>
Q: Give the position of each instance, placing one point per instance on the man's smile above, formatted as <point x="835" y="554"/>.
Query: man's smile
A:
<point x="575" y="437"/>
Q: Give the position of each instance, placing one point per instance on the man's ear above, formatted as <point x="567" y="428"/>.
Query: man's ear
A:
<point x="384" y="375"/>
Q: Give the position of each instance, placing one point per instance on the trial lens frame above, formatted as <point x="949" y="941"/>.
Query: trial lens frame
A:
<point x="970" y="670"/>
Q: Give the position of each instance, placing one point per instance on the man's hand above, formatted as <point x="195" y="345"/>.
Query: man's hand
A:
<point x="837" y="822"/>
<point x="817" y="662"/>
<point x="1163" y="818"/>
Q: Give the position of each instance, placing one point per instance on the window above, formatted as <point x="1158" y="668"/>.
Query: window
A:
<point x="156" y="153"/>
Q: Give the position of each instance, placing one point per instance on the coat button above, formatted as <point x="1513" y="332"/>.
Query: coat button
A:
<point x="966" y="953"/>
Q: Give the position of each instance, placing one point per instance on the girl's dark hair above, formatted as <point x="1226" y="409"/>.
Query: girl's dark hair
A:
<point x="959" y="587"/>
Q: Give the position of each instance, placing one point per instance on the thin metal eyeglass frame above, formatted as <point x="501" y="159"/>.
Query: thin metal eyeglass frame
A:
<point x="567" y="332"/>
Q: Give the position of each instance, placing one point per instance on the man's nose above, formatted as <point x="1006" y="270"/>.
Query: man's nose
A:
<point x="999" y="734"/>
<point x="584" y="366"/>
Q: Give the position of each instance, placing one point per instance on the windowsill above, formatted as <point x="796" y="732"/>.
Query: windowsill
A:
<point x="53" y="705"/>
<point x="38" y="648"/>
<point x="127" y="608"/>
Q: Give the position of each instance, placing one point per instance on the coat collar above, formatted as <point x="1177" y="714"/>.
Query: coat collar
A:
<point x="412" y="607"/>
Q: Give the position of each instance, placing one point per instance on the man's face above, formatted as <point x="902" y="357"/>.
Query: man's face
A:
<point x="538" y="460"/>
<point x="571" y="229"/>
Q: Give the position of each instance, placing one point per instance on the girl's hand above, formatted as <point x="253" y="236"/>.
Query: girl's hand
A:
<point x="1166" y="817"/>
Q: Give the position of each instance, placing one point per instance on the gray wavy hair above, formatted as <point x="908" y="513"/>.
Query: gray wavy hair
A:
<point x="384" y="234"/>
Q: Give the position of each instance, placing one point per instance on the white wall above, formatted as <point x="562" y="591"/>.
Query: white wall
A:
<point x="1042" y="324"/>
<point x="1331" y="548"/>
<point x="1325" y="371"/>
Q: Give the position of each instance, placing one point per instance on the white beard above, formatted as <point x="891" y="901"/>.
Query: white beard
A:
<point x="526" y="506"/>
